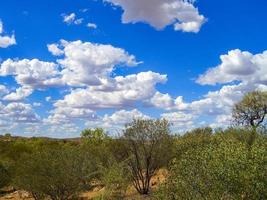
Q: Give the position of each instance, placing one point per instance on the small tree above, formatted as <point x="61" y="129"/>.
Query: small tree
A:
<point x="94" y="134"/>
<point x="251" y="110"/>
<point x="147" y="144"/>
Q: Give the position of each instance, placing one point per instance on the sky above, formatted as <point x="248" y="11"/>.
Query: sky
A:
<point x="70" y="65"/>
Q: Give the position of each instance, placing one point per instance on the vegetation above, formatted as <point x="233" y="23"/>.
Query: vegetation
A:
<point x="147" y="144"/>
<point x="4" y="176"/>
<point x="220" y="169"/>
<point x="201" y="164"/>
<point x="251" y="110"/>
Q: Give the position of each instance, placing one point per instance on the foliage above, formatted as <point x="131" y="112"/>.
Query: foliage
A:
<point x="4" y="176"/>
<point x="251" y="110"/>
<point x="116" y="181"/>
<point x="148" y="146"/>
<point x="97" y="134"/>
<point x="222" y="169"/>
<point x="59" y="173"/>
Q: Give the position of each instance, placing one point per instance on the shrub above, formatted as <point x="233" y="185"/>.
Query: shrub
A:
<point x="4" y="176"/>
<point x="59" y="173"/>
<point x="222" y="170"/>
<point x="116" y="180"/>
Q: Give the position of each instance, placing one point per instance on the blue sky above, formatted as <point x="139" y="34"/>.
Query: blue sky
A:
<point x="111" y="61"/>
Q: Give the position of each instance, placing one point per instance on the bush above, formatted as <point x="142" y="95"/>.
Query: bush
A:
<point x="222" y="170"/>
<point x="4" y="176"/>
<point x="116" y="180"/>
<point x="59" y="173"/>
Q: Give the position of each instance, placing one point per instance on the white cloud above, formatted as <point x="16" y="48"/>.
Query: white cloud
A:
<point x="180" y="121"/>
<point x="20" y="94"/>
<point x="3" y="90"/>
<point x="66" y="115"/>
<point x="89" y="64"/>
<point x="122" y="117"/>
<point x="161" y="13"/>
<point x="19" y="113"/>
<point x="33" y="73"/>
<point x="6" y="41"/>
<point x="237" y="65"/>
<point x="71" y="19"/>
<point x="115" y="122"/>
<point x="92" y="25"/>
<point x="121" y="92"/>
<point x="163" y="101"/>
<point x="242" y="72"/>
<point x="55" y="50"/>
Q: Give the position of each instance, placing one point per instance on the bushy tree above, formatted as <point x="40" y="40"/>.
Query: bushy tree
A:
<point x="148" y="146"/>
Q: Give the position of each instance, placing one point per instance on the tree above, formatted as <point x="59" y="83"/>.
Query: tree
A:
<point x="148" y="146"/>
<point x="94" y="134"/>
<point x="251" y="110"/>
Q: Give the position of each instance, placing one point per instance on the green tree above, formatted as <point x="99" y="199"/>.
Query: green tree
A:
<point x="148" y="146"/>
<point x="251" y="110"/>
<point x="97" y="134"/>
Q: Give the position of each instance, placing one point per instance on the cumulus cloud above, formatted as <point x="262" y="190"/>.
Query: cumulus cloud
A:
<point x="19" y="113"/>
<point x="237" y="65"/>
<point x="180" y="121"/>
<point x="20" y="94"/>
<point x="240" y="72"/>
<point x="116" y="121"/>
<point x="67" y="115"/>
<point x="6" y="41"/>
<point x="182" y="14"/>
<point x="121" y="92"/>
<point x="83" y="64"/>
<point x="164" y="101"/>
<point x="86" y="63"/>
